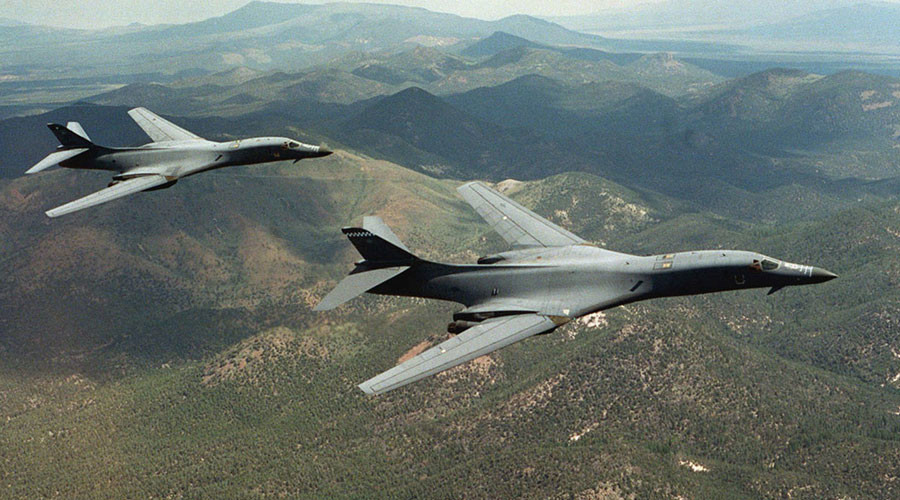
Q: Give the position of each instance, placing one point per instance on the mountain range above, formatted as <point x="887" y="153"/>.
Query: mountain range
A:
<point x="834" y="35"/>
<point x="753" y="128"/>
<point x="692" y="396"/>
<point x="164" y="345"/>
<point x="873" y="23"/>
<point x="711" y="13"/>
<point x="264" y="35"/>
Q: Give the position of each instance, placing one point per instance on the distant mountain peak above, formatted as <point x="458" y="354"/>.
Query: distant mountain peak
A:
<point x="530" y="83"/>
<point x="426" y="52"/>
<point x="502" y="35"/>
<point x="508" y="56"/>
<point x="534" y="79"/>
<point x="238" y="70"/>
<point x="665" y="58"/>
<point x="412" y="104"/>
<point x="423" y="120"/>
<point x="769" y="76"/>
<point x="256" y="5"/>
<point x="412" y="93"/>
<point x="665" y="64"/>
<point x="783" y="72"/>
<point x="665" y="61"/>
<point x="499" y="41"/>
<point x="526" y="18"/>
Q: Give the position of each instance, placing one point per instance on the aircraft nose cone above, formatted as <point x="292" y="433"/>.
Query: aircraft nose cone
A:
<point x="323" y="152"/>
<point x="820" y="275"/>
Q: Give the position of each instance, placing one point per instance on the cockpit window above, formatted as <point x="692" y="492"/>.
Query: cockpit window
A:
<point x="293" y="145"/>
<point x="764" y="265"/>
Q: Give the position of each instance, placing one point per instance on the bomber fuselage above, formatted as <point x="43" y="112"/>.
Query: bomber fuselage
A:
<point x="576" y="280"/>
<point x="178" y="159"/>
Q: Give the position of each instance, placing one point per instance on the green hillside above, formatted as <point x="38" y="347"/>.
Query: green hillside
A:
<point x="228" y="385"/>
<point x="184" y="249"/>
<point x="164" y="346"/>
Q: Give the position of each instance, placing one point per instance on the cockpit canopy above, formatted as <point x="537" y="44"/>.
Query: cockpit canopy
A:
<point x="291" y="145"/>
<point x="765" y="265"/>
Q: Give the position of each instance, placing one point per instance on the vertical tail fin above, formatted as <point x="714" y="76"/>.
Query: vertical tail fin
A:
<point x="378" y="244"/>
<point x="78" y="129"/>
<point x="70" y="138"/>
<point x="385" y="258"/>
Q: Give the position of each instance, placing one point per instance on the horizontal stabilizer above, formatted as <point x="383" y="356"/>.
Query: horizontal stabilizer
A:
<point x="356" y="284"/>
<point x="54" y="159"/>
<point x="122" y="189"/>
<point x="479" y="340"/>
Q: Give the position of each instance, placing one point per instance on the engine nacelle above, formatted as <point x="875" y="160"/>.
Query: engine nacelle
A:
<point x="512" y="255"/>
<point x="163" y="186"/>
<point x="491" y="259"/>
<point x="460" y="326"/>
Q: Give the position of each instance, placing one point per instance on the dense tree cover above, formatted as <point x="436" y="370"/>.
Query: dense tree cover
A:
<point x="737" y="395"/>
<point x="165" y="347"/>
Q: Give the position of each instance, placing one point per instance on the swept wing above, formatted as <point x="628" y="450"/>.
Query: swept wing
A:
<point x="484" y="338"/>
<point x="159" y="129"/>
<point x="520" y="227"/>
<point x="113" y="192"/>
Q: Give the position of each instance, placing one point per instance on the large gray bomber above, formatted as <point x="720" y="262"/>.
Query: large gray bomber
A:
<point x="173" y="154"/>
<point x="549" y="278"/>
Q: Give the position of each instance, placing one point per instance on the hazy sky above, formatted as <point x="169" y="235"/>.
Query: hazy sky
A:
<point x="103" y="13"/>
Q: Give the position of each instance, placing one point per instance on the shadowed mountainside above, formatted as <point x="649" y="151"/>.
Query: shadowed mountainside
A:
<point x="164" y="345"/>
<point x="694" y="396"/>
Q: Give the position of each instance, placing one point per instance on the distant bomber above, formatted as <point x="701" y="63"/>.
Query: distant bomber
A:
<point x="173" y="154"/>
<point x="549" y="278"/>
